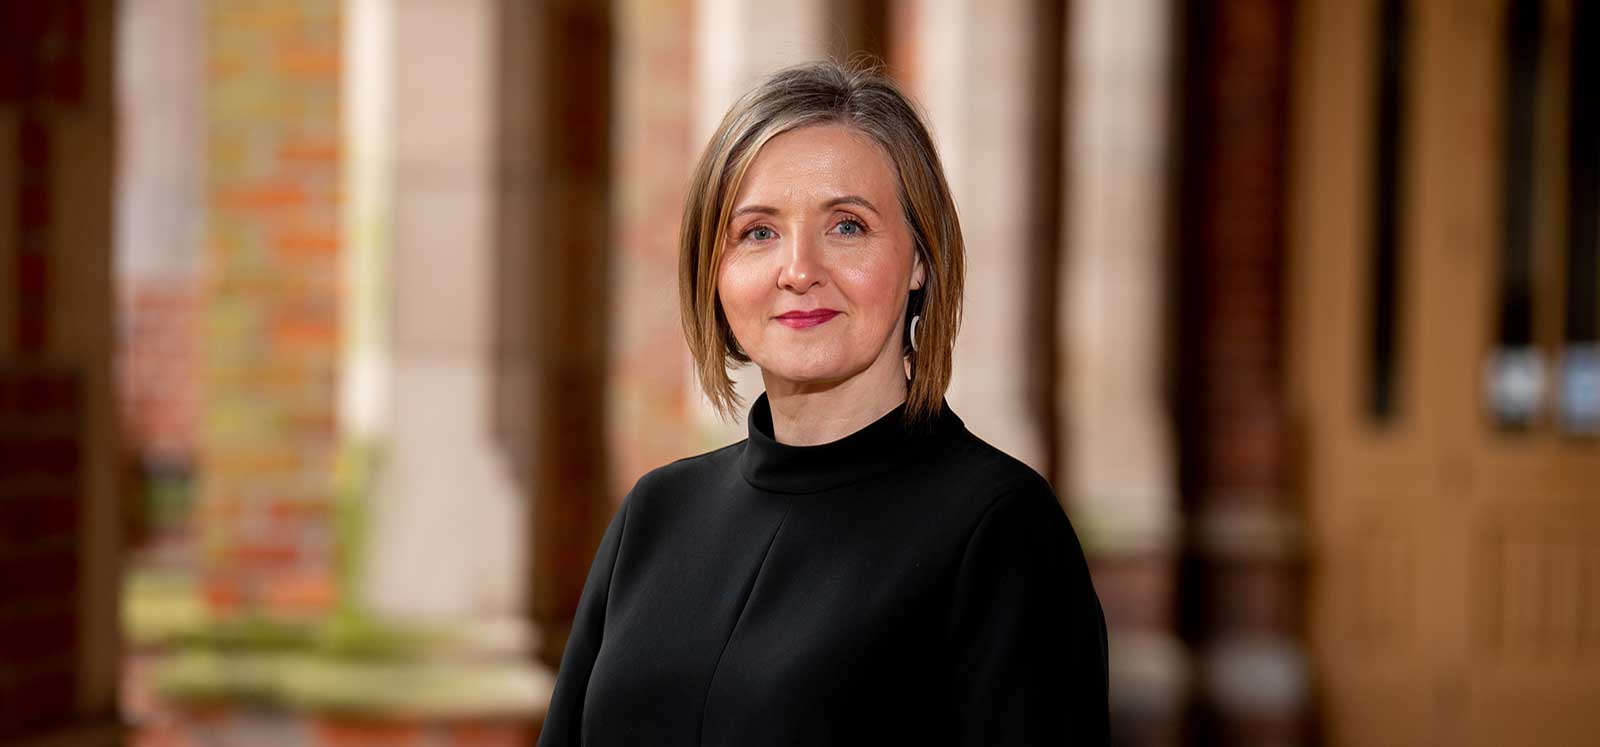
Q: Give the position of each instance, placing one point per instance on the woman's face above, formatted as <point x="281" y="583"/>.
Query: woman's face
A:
<point x="819" y="262"/>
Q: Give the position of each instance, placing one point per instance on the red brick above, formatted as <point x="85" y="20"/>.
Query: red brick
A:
<point x="298" y="509"/>
<point x="305" y="593"/>
<point x="308" y="62"/>
<point x="487" y="734"/>
<point x="318" y="151"/>
<point x="1136" y="591"/>
<point x="162" y="734"/>
<point x="350" y="733"/>
<point x="159" y="367"/>
<point x="222" y="592"/>
<point x="307" y="243"/>
<point x="297" y="333"/>
<point x="266" y="554"/>
<point x="261" y="197"/>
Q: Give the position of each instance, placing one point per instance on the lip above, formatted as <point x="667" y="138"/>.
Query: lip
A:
<point x="805" y="319"/>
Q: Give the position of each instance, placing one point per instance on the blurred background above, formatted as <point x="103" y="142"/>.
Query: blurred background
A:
<point x="333" y="331"/>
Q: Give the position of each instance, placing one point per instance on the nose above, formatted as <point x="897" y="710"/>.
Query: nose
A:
<point x="802" y="266"/>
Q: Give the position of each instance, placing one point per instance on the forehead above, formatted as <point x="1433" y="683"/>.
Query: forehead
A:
<point x="820" y="161"/>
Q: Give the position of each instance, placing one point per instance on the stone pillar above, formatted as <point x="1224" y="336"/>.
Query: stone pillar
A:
<point x="1235" y="442"/>
<point x="271" y="307"/>
<point x="739" y="42"/>
<point x="447" y="520"/>
<point x="569" y="236"/>
<point x="1117" y="451"/>
<point x="974" y="71"/>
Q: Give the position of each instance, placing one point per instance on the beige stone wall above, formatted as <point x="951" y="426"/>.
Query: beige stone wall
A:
<point x="447" y="520"/>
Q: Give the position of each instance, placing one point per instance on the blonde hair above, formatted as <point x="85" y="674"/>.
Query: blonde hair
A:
<point x="812" y="94"/>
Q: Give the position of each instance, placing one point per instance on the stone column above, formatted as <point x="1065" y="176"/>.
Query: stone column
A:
<point x="568" y="238"/>
<point x="1117" y="451"/>
<point x="974" y="71"/>
<point x="1235" y="442"/>
<point x="445" y="518"/>
<point x="60" y="522"/>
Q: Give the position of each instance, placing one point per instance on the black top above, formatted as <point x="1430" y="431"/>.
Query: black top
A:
<point x="897" y="586"/>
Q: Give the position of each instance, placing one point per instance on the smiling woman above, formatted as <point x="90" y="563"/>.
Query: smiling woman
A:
<point x="862" y="569"/>
<point x="863" y="152"/>
<point x="814" y="279"/>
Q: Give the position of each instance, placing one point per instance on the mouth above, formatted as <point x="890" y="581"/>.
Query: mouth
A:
<point x="805" y="319"/>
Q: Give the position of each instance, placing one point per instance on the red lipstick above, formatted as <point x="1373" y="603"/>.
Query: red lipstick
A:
<point x="806" y="319"/>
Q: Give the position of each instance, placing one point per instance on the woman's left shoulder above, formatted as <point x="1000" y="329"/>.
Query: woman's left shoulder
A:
<point x="1004" y="477"/>
<point x="982" y="490"/>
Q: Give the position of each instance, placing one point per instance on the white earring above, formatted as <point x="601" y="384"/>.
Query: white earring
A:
<point x="914" y="321"/>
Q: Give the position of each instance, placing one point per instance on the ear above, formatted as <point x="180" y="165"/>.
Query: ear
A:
<point x="919" y="272"/>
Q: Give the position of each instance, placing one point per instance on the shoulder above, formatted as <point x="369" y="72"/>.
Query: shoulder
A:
<point x="694" y="468"/>
<point x="670" y="498"/>
<point x="1019" y="531"/>
<point x="1009" y="485"/>
<point x="1009" y="513"/>
<point x="687" y="475"/>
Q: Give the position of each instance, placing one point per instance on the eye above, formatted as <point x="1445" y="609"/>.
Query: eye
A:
<point x="850" y="227"/>
<point x="760" y="233"/>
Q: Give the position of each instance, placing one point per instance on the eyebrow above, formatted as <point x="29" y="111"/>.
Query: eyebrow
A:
<point x="851" y="200"/>
<point x="835" y="202"/>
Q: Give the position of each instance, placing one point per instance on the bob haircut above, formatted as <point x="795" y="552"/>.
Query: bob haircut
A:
<point x="801" y="96"/>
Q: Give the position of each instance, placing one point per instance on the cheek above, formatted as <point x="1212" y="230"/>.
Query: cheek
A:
<point x="740" y="291"/>
<point x="877" y="285"/>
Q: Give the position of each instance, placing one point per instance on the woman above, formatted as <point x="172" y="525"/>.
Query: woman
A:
<point x="861" y="569"/>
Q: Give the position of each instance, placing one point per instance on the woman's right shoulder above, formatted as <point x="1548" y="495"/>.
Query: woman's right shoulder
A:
<point x="695" y="474"/>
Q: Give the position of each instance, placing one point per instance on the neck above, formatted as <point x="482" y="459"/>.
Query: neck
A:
<point x="807" y="414"/>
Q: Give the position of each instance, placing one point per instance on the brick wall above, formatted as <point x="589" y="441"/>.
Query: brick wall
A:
<point x="232" y="726"/>
<point x="271" y="301"/>
<point x="156" y="220"/>
<point x="650" y="377"/>
<point x="158" y="368"/>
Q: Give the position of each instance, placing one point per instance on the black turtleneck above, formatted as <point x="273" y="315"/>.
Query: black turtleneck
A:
<point x="902" y="585"/>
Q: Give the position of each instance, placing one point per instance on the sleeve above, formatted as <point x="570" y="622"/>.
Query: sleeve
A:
<point x="1027" y="632"/>
<point x="563" y="722"/>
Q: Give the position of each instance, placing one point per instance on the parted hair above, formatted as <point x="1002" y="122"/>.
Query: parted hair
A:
<point x="812" y="94"/>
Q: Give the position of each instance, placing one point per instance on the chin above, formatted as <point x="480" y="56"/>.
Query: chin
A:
<point x="810" y="371"/>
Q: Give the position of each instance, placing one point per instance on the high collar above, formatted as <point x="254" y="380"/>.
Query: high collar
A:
<point x="889" y="443"/>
